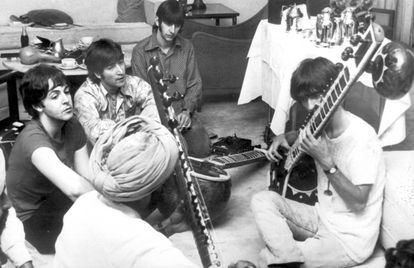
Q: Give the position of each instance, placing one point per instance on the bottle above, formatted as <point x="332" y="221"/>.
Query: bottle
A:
<point x="24" y="38"/>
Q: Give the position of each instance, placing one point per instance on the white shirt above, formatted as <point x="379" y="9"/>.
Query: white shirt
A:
<point x="358" y="155"/>
<point x="95" y="234"/>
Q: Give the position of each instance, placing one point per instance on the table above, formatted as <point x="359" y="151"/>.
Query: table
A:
<point x="214" y="11"/>
<point x="15" y="69"/>
<point x="273" y="56"/>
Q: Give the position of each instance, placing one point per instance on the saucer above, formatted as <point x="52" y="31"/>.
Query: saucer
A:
<point x="63" y="67"/>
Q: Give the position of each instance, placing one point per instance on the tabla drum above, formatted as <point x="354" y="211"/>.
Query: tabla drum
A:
<point x="215" y="187"/>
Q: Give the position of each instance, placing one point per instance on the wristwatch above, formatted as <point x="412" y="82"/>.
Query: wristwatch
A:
<point x="331" y="171"/>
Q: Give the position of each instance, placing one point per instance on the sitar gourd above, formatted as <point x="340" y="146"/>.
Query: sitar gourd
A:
<point x="188" y="186"/>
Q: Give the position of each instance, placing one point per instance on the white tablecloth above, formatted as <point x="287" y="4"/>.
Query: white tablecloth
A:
<point x="274" y="55"/>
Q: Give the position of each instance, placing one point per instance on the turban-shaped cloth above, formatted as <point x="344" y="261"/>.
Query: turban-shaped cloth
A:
<point x="132" y="159"/>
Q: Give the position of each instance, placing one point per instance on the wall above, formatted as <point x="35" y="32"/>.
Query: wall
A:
<point x="104" y="13"/>
<point x="82" y="11"/>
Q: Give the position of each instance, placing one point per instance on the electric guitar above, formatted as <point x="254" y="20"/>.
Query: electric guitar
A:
<point x="366" y="47"/>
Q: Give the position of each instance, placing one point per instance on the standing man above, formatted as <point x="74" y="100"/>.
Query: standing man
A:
<point x="341" y="230"/>
<point x="177" y="58"/>
<point x="109" y="95"/>
<point x="49" y="161"/>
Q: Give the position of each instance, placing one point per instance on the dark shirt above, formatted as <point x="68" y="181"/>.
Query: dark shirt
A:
<point x="26" y="186"/>
<point x="179" y="61"/>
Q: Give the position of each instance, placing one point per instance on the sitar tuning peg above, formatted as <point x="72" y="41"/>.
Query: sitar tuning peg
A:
<point x="170" y="78"/>
<point x="355" y="39"/>
<point x="347" y="53"/>
<point x="177" y="96"/>
<point x="339" y="66"/>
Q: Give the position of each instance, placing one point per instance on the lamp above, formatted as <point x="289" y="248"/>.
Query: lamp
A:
<point x="198" y="5"/>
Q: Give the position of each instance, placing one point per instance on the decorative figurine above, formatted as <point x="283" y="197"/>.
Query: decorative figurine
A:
<point x="324" y="27"/>
<point x="293" y="15"/>
<point x="348" y="22"/>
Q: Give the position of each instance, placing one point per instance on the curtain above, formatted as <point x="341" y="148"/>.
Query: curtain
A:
<point x="404" y="21"/>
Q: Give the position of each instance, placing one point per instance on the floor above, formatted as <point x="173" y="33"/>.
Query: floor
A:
<point x="235" y="233"/>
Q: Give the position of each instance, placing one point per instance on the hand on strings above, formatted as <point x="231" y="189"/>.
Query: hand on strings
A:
<point x="184" y="120"/>
<point x="242" y="264"/>
<point x="175" y="223"/>
<point x="317" y="148"/>
<point x="272" y="152"/>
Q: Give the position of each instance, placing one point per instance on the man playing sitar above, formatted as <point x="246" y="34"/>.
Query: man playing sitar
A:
<point x="342" y="228"/>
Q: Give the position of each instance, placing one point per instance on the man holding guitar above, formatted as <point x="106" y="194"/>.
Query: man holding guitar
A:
<point x="341" y="230"/>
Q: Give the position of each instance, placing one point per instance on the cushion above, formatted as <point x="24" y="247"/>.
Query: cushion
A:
<point x="398" y="210"/>
<point x="46" y="17"/>
<point x="130" y="11"/>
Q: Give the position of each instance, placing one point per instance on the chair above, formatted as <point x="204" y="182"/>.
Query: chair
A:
<point x="385" y="18"/>
<point x="244" y="30"/>
<point x="222" y="63"/>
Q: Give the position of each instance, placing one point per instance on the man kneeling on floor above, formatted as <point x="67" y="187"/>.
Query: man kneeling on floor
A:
<point x="107" y="227"/>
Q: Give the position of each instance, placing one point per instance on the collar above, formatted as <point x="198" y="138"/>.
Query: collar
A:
<point x="125" y="90"/>
<point x="119" y="206"/>
<point x="153" y="42"/>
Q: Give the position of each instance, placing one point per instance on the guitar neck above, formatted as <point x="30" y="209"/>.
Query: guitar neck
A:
<point x="338" y="90"/>
<point x="237" y="160"/>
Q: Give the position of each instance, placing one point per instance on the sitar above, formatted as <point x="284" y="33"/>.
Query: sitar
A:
<point x="366" y="47"/>
<point x="188" y="186"/>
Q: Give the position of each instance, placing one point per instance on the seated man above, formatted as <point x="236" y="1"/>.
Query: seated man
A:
<point x="107" y="228"/>
<point x="177" y="58"/>
<point x="12" y="239"/>
<point x="341" y="230"/>
<point x="109" y="95"/>
<point x="49" y="161"/>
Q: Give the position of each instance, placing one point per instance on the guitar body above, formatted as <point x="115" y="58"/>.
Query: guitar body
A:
<point x="302" y="180"/>
<point x="303" y="177"/>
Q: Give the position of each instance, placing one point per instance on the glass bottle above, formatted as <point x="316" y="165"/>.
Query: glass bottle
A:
<point x="24" y="38"/>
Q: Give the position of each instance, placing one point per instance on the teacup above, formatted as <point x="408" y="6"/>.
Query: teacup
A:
<point x="68" y="63"/>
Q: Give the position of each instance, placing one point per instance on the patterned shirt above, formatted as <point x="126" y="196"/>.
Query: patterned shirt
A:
<point x="179" y="61"/>
<point x="96" y="114"/>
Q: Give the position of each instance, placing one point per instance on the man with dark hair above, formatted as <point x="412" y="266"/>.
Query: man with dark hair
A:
<point x="49" y="161"/>
<point x="177" y="58"/>
<point x="109" y="95"/>
<point x="342" y="229"/>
